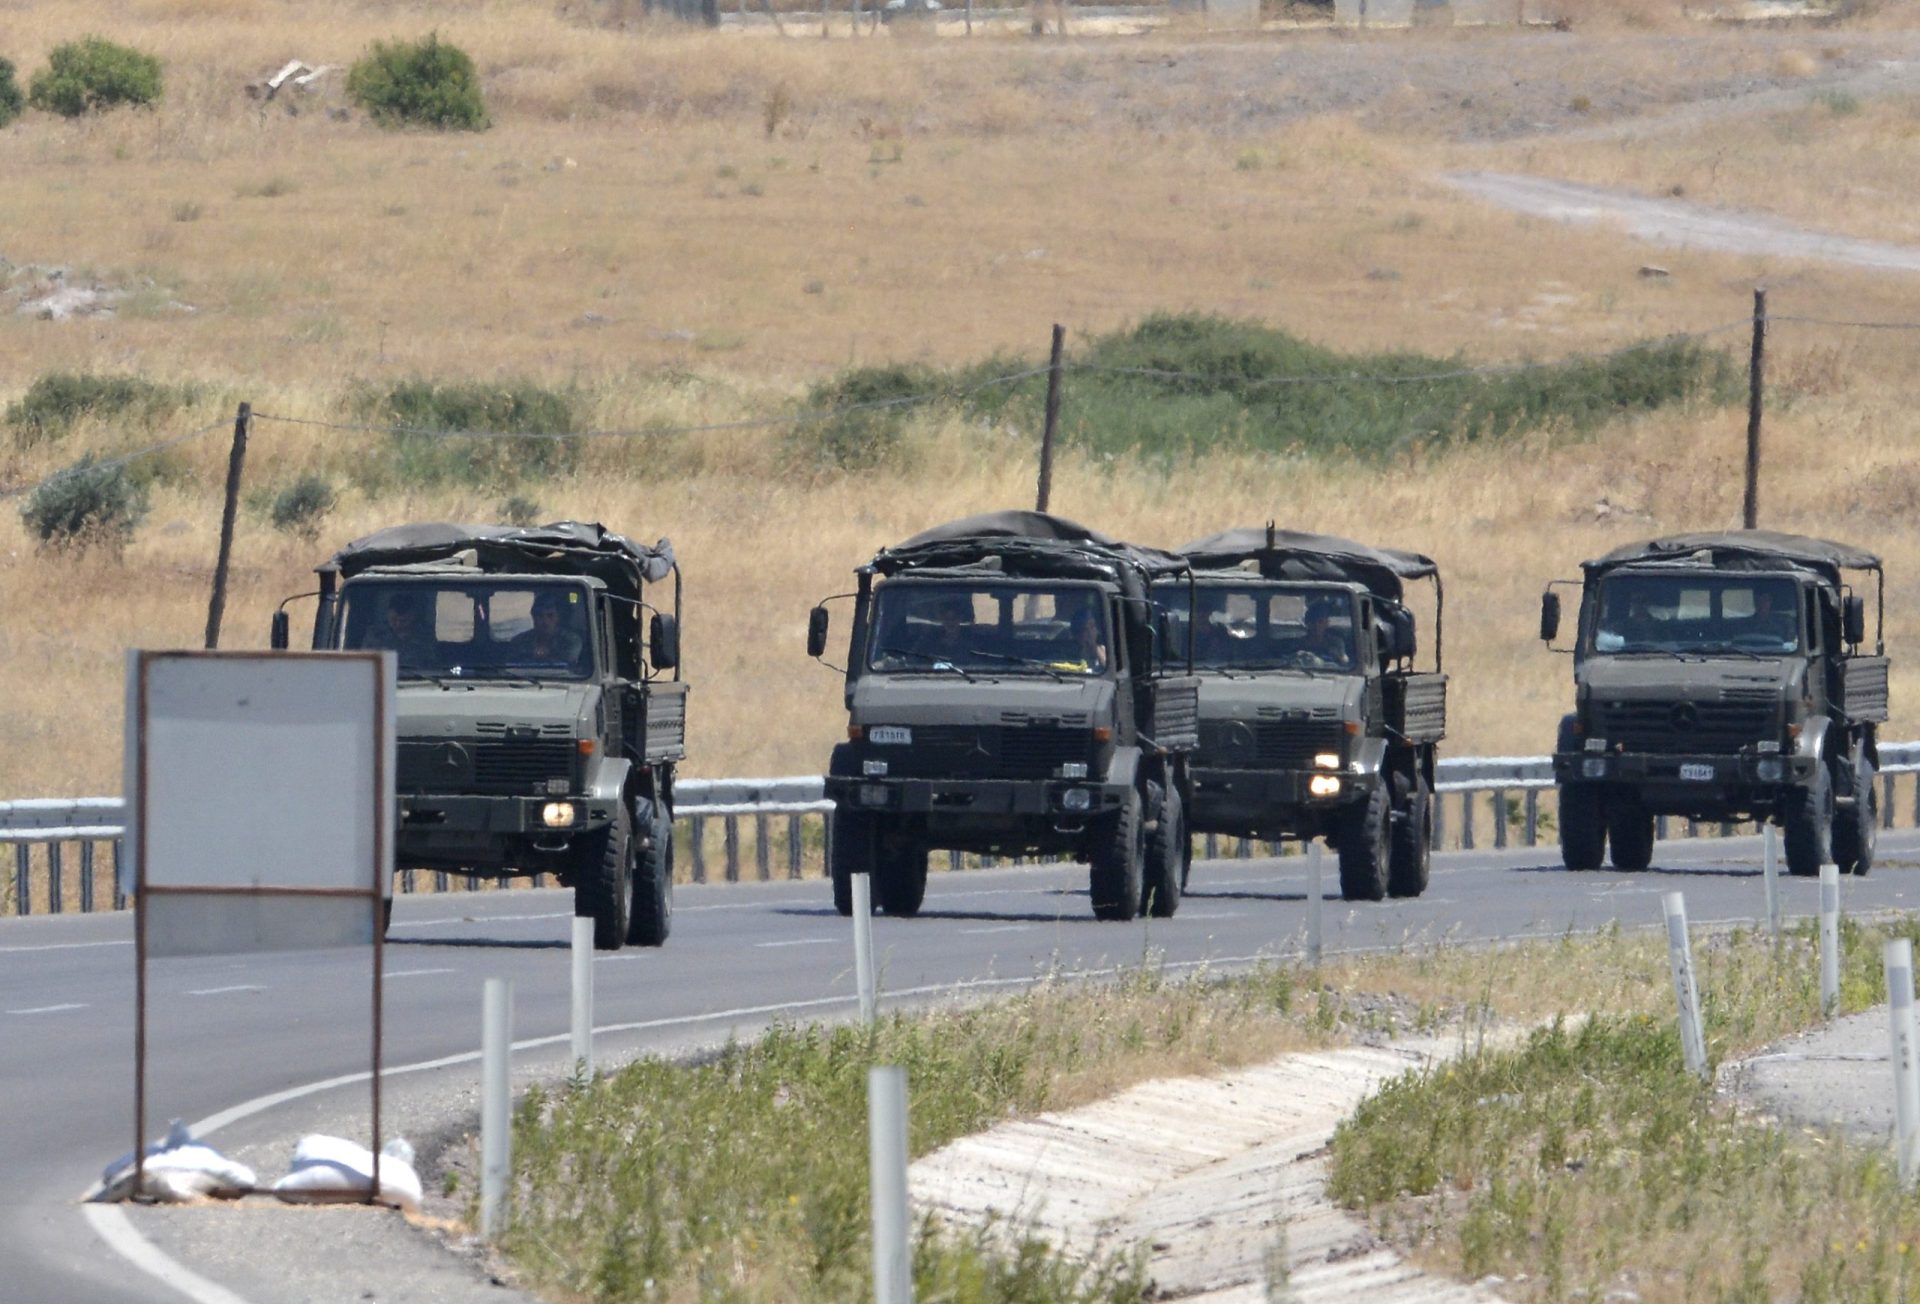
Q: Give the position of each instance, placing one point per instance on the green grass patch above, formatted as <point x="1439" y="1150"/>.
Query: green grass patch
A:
<point x="11" y="100"/>
<point x="1183" y="385"/>
<point x="54" y="402"/>
<point x="1589" y="1160"/>
<point x="469" y="434"/>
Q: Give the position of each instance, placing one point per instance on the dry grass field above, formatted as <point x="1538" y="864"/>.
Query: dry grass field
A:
<point x="688" y="228"/>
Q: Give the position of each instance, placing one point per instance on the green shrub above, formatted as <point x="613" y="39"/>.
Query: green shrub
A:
<point x="88" y="75"/>
<point x="11" y="101"/>
<point x="301" y="507"/>
<point x="86" y="506"/>
<point x="56" y="400"/>
<point x="484" y="436"/>
<point x="519" y="510"/>
<point x="861" y="416"/>
<point x="419" y="84"/>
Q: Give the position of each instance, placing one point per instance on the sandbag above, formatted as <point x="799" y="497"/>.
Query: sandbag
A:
<point x="177" y="1168"/>
<point x="331" y="1169"/>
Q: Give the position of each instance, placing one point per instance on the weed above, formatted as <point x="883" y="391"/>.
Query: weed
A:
<point x="419" y="84"/>
<point x="11" y="101"/>
<point x="1840" y="103"/>
<point x="86" y="506"/>
<point x="92" y="74"/>
<point x="519" y="510"/>
<point x="56" y="400"/>
<point x="186" y="211"/>
<point x="302" y="506"/>
<point x="777" y="108"/>
<point x="472" y="434"/>
<point x="860" y="416"/>
<point x="268" y="188"/>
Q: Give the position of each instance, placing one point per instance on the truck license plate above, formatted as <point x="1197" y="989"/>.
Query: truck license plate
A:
<point x="894" y="734"/>
<point x="1701" y="773"/>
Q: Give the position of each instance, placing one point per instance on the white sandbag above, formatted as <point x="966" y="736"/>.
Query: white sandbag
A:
<point x="178" y="1168"/>
<point x="331" y="1169"/>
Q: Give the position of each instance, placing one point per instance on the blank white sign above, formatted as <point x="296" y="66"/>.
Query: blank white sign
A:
<point x="258" y="770"/>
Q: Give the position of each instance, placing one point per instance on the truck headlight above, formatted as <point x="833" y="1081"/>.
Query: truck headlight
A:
<point x="872" y="794"/>
<point x="1323" y="785"/>
<point x="557" y="814"/>
<point x="1073" y="770"/>
<point x="1593" y="767"/>
<point x="1770" y="770"/>
<point x="1596" y="744"/>
<point x="1076" y="799"/>
<point x="1326" y="761"/>
<point x="874" y="769"/>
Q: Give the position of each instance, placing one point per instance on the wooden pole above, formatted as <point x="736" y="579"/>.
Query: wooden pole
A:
<point x="1755" y="375"/>
<point x="236" y="460"/>
<point x="1053" y="418"/>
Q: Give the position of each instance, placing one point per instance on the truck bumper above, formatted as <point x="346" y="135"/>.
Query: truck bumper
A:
<point x="973" y="797"/>
<point x="1229" y="801"/>
<point x="490" y="831"/>
<point x="1680" y="784"/>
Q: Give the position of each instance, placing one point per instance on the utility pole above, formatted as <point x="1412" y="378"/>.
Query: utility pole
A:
<point x="1053" y="418"/>
<point x="235" y="461"/>
<point x="1755" y="375"/>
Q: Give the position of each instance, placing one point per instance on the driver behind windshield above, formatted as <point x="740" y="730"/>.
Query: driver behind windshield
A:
<point x="552" y="637"/>
<point x="1324" y="643"/>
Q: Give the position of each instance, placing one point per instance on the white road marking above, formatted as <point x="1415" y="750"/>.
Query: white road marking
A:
<point x="1003" y="928"/>
<point x="798" y="941"/>
<point x="48" y="1009"/>
<point x="62" y="946"/>
<point x="419" y="973"/>
<point x="1217" y="914"/>
<point x="222" y="991"/>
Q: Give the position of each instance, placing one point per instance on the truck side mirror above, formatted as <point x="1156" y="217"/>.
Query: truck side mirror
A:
<point x="1549" y="617"/>
<point x="817" y="632"/>
<point x="663" y="641"/>
<point x="278" y="639"/>
<point x="1853" y="620"/>
<point x="1401" y="642"/>
<point x="1172" y="646"/>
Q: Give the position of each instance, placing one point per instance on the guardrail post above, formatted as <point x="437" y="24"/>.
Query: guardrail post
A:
<point x="731" y="841"/>
<point x="1499" y="819"/>
<point x="793" y="846"/>
<point x="697" y="841"/>
<point x="1466" y="820"/>
<point x="1916" y="801"/>
<point x="955" y="862"/>
<point x="1886" y="801"/>
<point x="1533" y="817"/>
<point x="1897" y="959"/>
<point x="54" y="875"/>
<point x="1829" y="940"/>
<point x="441" y="882"/>
<point x="1726" y="828"/>
<point x="22" y="878"/>
<point x="761" y="851"/>
<point x="1660" y="828"/>
<point x="86" y="877"/>
<point x="1439" y="821"/>
<point x="1212" y="846"/>
<point x="1244" y="851"/>
<point x="119" y="897"/>
<point x="1693" y="1041"/>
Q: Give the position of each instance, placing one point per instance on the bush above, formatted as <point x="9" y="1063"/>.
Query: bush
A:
<point x="419" y="83"/>
<point x="515" y="428"/>
<point x="11" y="101"/>
<point x="88" y="75"/>
<point x="301" y="507"/>
<point x="861" y="416"/>
<point x="519" y="510"/>
<point x="86" y="506"/>
<point x="55" y="401"/>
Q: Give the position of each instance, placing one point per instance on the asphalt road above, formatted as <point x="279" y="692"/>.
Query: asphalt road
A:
<point x="228" y="1032"/>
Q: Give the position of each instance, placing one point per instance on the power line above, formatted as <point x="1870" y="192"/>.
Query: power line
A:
<point x="1853" y="325"/>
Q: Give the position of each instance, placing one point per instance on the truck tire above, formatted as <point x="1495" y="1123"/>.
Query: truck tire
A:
<point x="1412" y="863"/>
<point x="1807" y="814"/>
<point x="1118" y="862"/>
<point x="1165" y="872"/>
<point x="603" y="881"/>
<point x="852" y="853"/>
<point x="1366" y="837"/>
<point x="1630" y="834"/>
<point x="1856" y="828"/>
<point x="652" y="912"/>
<point x="900" y="879"/>
<point x="1583" y="833"/>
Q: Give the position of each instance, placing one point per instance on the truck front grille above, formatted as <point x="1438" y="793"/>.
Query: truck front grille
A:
<point x="991" y="752"/>
<point x="1684" y="727"/>
<point x="1269" y="744"/>
<point x="485" y="767"/>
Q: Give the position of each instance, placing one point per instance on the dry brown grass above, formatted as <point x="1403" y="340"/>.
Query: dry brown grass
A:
<point x="942" y="217"/>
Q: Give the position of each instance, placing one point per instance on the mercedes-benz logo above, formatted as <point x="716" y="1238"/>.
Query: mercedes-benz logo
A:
<point x="454" y="757"/>
<point x="1685" y="717"/>
<point x="1239" y="739"/>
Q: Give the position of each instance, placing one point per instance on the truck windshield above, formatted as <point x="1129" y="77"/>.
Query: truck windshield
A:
<point x="1264" y="626"/>
<point x="472" y="629"/>
<point x="994" y="628"/>
<point x="1698" y="614"/>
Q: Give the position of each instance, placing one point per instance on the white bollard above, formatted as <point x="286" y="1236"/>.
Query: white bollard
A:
<point x="1829" y="940"/>
<point x="496" y="1119"/>
<point x="1770" y="871"/>
<point x="1693" y="1041"/>
<point x="583" y="998"/>
<point x="887" y="1172"/>
<point x="1897" y="957"/>
<point x="1313" y="904"/>
<point x="863" y="946"/>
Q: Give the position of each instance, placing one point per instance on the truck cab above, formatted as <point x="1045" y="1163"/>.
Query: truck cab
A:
<point x="541" y="710"/>
<point x="1008" y="692"/>
<point x="1313" y="722"/>
<point x="1721" y="676"/>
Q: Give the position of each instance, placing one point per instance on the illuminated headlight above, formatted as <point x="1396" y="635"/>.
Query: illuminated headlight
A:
<point x="1073" y="770"/>
<point x="1323" y="785"/>
<point x="557" y="814"/>
<point x="1594" y="767"/>
<point x="1771" y="770"/>
<point x="874" y="769"/>
<point x="1596" y="744"/>
<point x="872" y="794"/>
<point x="1326" y="761"/>
<point x="1076" y="799"/>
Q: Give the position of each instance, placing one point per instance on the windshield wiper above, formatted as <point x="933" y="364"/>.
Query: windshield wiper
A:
<point x="1022" y="661"/>
<point x="938" y="663"/>
<point x="1724" y="650"/>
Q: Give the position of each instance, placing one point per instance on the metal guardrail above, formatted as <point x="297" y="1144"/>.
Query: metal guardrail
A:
<point x="769" y="822"/>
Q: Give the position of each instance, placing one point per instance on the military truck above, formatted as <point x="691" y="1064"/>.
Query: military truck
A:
<point x="1010" y="692"/>
<point x="1314" y="722"/>
<point x="1721" y="677"/>
<point x="541" y="709"/>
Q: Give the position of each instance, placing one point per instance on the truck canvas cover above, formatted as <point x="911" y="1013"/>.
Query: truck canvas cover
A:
<point x="562" y="548"/>
<point x="1741" y="550"/>
<point x="1030" y="544"/>
<point x="1293" y="555"/>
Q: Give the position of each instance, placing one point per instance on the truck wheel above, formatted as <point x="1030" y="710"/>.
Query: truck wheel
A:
<point x="1630" y="833"/>
<point x="852" y="854"/>
<point x="1118" y="862"/>
<point x="1365" y="846"/>
<point x="386" y="915"/>
<point x="652" y="915"/>
<point x="900" y="879"/>
<point x="1412" y="862"/>
<point x="1856" y="828"/>
<point x="603" y="881"/>
<point x="1165" y="871"/>
<point x="1808" y="815"/>
<point x="1583" y="833"/>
